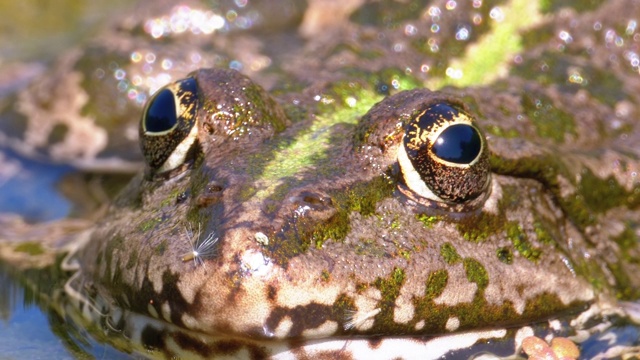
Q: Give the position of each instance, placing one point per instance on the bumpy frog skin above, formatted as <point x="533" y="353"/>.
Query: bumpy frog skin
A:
<point x="329" y="216"/>
<point x="343" y="247"/>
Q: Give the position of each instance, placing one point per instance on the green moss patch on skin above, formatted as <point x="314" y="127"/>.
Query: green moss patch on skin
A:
<point x="325" y="276"/>
<point x="549" y="121"/>
<point x="171" y="199"/>
<point x="501" y="132"/>
<point x="301" y="233"/>
<point x="521" y="242"/>
<point x="476" y="273"/>
<point x="478" y="227"/>
<point x="544" y="232"/>
<point x="31" y="248"/>
<point x="492" y="54"/>
<point x="389" y="289"/>
<point x="362" y="198"/>
<point x="149" y="224"/>
<point x="435" y="284"/>
<point x="428" y="220"/>
<point x="627" y="240"/>
<point x="449" y="253"/>
<point x="601" y="195"/>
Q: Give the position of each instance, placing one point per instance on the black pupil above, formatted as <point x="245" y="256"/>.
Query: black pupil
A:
<point x="458" y="144"/>
<point x="161" y="113"/>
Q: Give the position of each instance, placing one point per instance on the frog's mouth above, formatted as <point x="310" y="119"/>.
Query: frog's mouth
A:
<point x="151" y="337"/>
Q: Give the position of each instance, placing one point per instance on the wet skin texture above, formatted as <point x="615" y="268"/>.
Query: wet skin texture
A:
<point x="348" y="244"/>
<point x="329" y="210"/>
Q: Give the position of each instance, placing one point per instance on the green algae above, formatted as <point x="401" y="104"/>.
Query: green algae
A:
<point x="435" y="284"/>
<point x="601" y="195"/>
<point x="549" y="121"/>
<point x="476" y="272"/>
<point x="521" y="242"/>
<point x="428" y="220"/>
<point x="362" y="198"/>
<point x="492" y="54"/>
<point x="478" y="227"/>
<point x="31" y="248"/>
<point x="449" y="253"/>
<point x="149" y="224"/>
<point x="627" y="240"/>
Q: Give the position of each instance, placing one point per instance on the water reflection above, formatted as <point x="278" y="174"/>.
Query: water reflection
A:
<point x="30" y="328"/>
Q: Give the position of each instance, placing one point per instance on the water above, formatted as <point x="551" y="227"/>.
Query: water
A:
<point x="29" y="329"/>
<point x="35" y="30"/>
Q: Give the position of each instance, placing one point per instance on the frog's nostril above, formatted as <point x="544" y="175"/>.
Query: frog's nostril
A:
<point x="212" y="194"/>
<point x="214" y="188"/>
<point x="316" y="199"/>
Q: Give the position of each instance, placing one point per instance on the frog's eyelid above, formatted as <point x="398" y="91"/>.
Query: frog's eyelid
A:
<point x="179" y="154"/>
<point x="412" y="178"/>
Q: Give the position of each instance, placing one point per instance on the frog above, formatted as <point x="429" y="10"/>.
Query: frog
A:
<point x="333" y="218"/>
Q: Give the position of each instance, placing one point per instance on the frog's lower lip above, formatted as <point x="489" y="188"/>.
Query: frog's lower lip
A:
<point x="157" y="338"/>
<point x="153" y="335"/>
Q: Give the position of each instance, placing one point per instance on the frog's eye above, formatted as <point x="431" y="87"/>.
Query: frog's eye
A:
<point x="443" y="156"/>
<point x="167" y="127"/>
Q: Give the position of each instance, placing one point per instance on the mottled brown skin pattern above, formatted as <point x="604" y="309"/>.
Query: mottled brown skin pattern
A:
<point x="232" y="107"/>
<point x="135" y="256"/>
<point x="351" y="253"/>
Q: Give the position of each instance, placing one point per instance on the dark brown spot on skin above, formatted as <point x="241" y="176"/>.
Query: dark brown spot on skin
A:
<point x="272" y="292"/>
<point x="230" y="347"/>
<point x="303" y="317"/>
<point x="57" y="134"/>
<point x="374" y="343"/>
<point x="152" y="338"/>
<point x="146" y="295"/>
